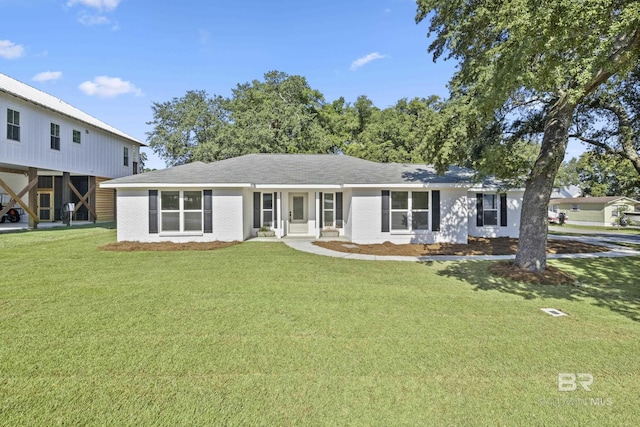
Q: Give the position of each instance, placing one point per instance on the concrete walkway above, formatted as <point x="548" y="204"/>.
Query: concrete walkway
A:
<point x="23" y="226"/>
<point x="306" y="245"/>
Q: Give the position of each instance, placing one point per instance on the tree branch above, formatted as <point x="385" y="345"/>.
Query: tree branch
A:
<point x="623" y="44"/>
<point x="595" y="142"/>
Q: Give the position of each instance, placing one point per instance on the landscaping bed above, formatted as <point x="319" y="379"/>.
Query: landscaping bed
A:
<point x="476" y="246"/>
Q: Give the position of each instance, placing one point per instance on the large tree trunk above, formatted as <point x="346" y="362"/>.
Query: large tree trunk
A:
<point x="532" y="244"/>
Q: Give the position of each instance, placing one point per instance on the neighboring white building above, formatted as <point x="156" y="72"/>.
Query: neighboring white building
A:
<point x="311" y="194"/>
<point x="68" y="153"/>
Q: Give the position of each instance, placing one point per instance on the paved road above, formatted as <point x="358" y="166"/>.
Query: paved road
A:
<point x="596" y="234"/>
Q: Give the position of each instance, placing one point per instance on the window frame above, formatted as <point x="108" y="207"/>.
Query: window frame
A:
<point x="181" y="210"/>
<point x="55" y="136"/>
<point x="73" y="136"/>
<point x="264" y="210"/>
<point x="409" y="211"/>
<point x="332" y="209"/>
<point x="13" y="125"/>
<point x="125" y="159"/>
<point x="619" y="209"/>
<point x="495" y="210"/>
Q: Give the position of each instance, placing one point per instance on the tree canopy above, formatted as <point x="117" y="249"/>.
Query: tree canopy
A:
<point x="283" y="114"/>
<point x="542" y="55"/>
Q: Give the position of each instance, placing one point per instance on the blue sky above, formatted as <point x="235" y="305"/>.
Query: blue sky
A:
<point x="114" y="58"/>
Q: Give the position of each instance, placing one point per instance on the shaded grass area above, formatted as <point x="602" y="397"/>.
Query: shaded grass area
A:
<point x="259" y="334"/>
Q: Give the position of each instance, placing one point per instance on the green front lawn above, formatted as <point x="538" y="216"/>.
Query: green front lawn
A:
<point x="259" y="334"/>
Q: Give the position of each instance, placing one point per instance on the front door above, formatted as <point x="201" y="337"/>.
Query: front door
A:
<point x="45" y="205"/>
<point x="298" y="215"/>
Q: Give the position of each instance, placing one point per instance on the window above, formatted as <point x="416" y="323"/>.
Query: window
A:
<point x="490" y="209"/>
<point x="618" y="210"/>
<point x="420" y="210"/>
<point x="126" y="156"/>
<point x="409" y="210"/>
<point x="13" y="125"/>
<point x="267" y="210"/>
<point x="328" y="208"/>
<point x="181" y="211"/>
<point x="575" y="207"/>
<point x="77" y="135"/>
<point x="55" y="136"/>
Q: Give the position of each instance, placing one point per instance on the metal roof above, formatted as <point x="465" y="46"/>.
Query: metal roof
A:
<point x="298" y="170"/>
<point x="28" y="93"/>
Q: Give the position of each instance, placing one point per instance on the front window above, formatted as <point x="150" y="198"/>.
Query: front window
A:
<point x="13" y="125"/>
<point x="328" y="210"/>
<point x="420" y="210"/>
<point x="618" y="210"/>
<point x="490" y="209"/>
<point x="181" y="211"/>
<point x="409" y="210"/>
<point x="126" y="156"/>
<point x="55" y="136"/>
<point x="77" y="136"/>
<point x="267" y="210"/>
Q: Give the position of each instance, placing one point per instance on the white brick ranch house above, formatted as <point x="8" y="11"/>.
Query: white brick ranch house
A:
<point x="306" y="194"/>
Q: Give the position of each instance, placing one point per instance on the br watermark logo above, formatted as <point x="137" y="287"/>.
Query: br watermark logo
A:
<point x="570" y="382"/>
<point x="576" y="382"/>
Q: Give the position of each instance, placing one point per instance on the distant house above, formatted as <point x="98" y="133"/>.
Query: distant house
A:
<point x="312" y="195"/>
<point x="598" y="211"/>
<point x="52" y="154"/>
<point x="566" y="192"/>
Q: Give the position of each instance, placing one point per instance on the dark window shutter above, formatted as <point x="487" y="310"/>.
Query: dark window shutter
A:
<point x="256" y="210"/>
<point x="320" y="225"/>
<point x="435" y="210"/>
<point x="153" y="211"/>
<point x="503" y="210"/>
<point x="479" y="210"/>
<point x="208" y="211"/>
<point x="275" y="210"/>
<point x="338" y="210"/>
<point x="385" y="211"/>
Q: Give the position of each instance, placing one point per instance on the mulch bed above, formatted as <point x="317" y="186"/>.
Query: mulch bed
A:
<point x="166" y="246"/>
<point x="476" y="246"/>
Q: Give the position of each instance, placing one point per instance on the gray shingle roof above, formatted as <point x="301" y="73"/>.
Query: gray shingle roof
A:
<point x="298" y="169"/>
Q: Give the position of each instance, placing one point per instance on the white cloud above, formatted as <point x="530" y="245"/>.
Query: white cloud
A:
<point x="100" y="5"/>
<point x="360" y="62"/>
<point x="10" y="50"/>
<point x="47" y="76"/>
<point x="91" y="20"/>
<point x="109" y="87"/>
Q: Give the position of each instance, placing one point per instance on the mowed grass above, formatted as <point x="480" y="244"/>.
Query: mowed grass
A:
<point x="259" y="334"/>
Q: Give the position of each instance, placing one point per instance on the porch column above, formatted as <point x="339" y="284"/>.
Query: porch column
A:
<point x="92" y="200"/>
<point x="318" y="207"/>
<point x="32" y="198"/>
<point x="66" y="192"/>
<point x="278" y="218"/>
